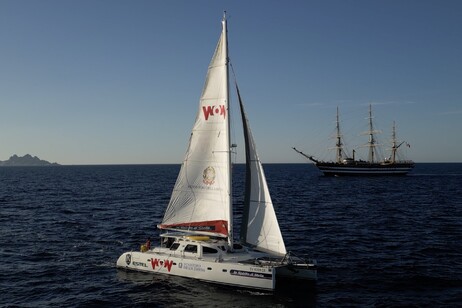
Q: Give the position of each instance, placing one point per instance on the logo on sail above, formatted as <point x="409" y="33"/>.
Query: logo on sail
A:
<point x="214" y="110"/>
<point x="208" y="176"/>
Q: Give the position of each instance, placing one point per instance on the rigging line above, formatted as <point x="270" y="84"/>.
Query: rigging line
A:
<point x="233" y="149"/>
<point x="232" y="70"/>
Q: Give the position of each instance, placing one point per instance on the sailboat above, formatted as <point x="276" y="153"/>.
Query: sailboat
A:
<point x="197" y="238"/>
<point x="345" y="165"/>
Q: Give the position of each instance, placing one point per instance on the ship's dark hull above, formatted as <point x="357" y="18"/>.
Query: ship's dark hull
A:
<point x="364" y="169"/>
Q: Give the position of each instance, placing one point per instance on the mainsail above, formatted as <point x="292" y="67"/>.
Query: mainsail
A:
<point x="201" y="198"/>
<point x="259" y="227"/>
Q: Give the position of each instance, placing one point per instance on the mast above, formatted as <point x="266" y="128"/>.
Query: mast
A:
<point x="393" y="144"/>
<point x="230" y="223"/>
<point x="372" y="142"/>
<point x="339" y="144"/>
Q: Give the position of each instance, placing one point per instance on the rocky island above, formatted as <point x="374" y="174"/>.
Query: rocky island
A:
<point x="26" y="160"/>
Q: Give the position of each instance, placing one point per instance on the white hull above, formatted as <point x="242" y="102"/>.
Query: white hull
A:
<point x="226" y="273"/>
<point x="212" y="262"/>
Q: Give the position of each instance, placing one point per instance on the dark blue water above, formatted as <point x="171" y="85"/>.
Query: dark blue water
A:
<point x="379" y="242"/>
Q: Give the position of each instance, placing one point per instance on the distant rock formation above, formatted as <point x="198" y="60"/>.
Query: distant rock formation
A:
<point x="26" y="160"/>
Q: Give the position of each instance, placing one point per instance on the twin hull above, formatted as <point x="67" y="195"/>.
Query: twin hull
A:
<point x="215" y="271"/>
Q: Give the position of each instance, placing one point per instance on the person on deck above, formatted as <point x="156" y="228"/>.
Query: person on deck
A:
<point x="148" y="244"/>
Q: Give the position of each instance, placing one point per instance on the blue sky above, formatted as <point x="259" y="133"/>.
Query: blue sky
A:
<point x="115" y="82"/>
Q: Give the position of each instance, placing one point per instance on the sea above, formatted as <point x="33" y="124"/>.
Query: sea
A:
<point x="378" y="242"/>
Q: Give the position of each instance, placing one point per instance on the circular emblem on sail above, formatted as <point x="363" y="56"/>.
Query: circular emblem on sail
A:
<point x="208" y="176"/>
<point x="128" y="259"/>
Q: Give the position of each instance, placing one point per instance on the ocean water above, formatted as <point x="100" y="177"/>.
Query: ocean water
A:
<point x="379" y="242"/>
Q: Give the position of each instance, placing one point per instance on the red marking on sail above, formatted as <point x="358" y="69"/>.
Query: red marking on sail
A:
<point x="208" y="111"/>
<point x="223" y="111"/>
<point x="214" y="110"/>
<point x="211" y="226"/>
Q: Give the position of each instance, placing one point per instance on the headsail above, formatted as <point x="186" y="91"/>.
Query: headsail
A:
<point x="201" y="198"/>
<point x="260" y="227"/>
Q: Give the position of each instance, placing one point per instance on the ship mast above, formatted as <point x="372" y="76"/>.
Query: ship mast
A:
<point x="393" y="144"/>
<point x="372" y="142"/>
<point x="339" y="144"/>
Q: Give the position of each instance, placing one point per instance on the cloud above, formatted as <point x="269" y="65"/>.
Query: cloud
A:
<point x="314" y="104"/>
<point x="445" y="113"/>
<point x="375" y="103"/>
<point x="326" y="104"/>
<point x="352" y="102"/>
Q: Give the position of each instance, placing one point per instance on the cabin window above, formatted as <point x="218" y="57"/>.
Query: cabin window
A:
<point x="168" y="241"/>
<point x="191" y="248"/>
<point x="208" y="250"/>
<point x="175" y="246"/>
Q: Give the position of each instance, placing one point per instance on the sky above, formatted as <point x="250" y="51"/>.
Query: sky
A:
<point x="119" y="82"/>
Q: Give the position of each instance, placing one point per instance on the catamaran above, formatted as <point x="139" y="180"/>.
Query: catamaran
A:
<point x="197" y="235"/>
<point x="346" y="165"/>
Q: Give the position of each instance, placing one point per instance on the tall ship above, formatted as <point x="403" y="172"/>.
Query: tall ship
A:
<point x="197" y="237"/>
<point x="349" y="165"/>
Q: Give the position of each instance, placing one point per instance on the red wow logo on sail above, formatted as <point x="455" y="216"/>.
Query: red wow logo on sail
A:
<point x="213" y="111"/>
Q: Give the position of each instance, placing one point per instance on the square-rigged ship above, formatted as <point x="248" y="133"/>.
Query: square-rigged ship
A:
<point x="344" y="165"/>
